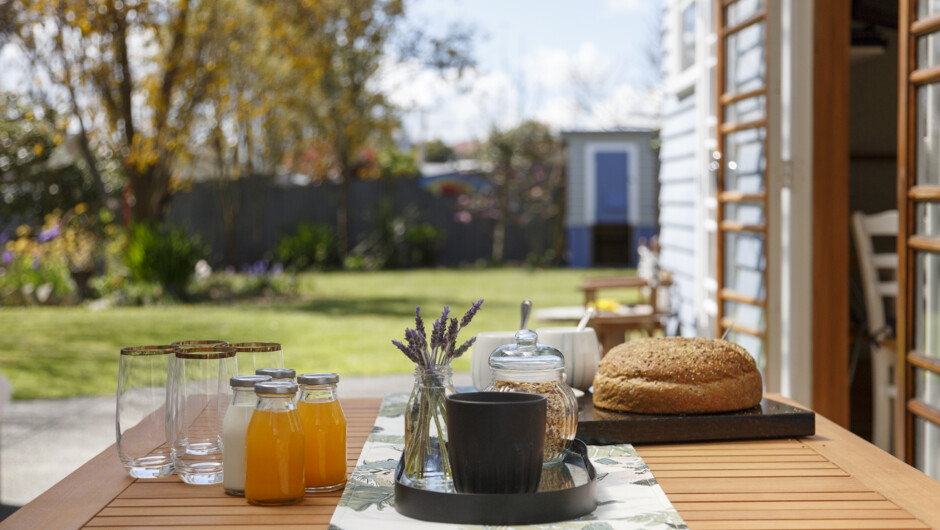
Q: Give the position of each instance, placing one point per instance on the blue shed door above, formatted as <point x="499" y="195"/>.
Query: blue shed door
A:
<point x="611" y="190"/>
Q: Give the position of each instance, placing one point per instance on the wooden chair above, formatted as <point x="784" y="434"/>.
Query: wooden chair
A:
<point x="878" y="292"/>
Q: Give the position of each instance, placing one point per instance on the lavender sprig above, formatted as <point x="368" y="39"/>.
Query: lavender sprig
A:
<point x="442" y="348"/>
<point x="468" y="316"/>
<point x="464" y="347"/>
<point x="419" y="324"/>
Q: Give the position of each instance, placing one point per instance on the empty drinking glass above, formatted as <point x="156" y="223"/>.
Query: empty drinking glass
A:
<point x="199" y="394"/>
<point x="254" y="355"/>
<point x="142" y="411"/>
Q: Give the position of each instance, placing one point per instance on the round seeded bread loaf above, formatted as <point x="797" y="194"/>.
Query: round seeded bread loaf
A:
<point x="677" y="375"/>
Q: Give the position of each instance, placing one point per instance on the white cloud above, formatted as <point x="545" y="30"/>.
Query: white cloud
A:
<point x="628" y="6"/>
<point x="553" y="68"/>
<point x="449" y="107"/>
<point x="566" y="90"/>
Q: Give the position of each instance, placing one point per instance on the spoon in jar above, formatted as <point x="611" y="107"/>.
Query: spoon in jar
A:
<point x="525" y="310"/>
<point x="588" y="313"/>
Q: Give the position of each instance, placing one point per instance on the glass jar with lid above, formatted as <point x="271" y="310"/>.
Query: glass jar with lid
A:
<point x="527" y="366"/>
<point x="274" y="447"/>
<point x="324" y="432"/>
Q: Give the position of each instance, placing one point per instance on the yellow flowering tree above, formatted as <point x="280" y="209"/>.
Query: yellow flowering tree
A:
<point x="132" y="74"/>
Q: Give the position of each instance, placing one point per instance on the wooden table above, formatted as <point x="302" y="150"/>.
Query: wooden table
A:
<point x="831" y="480"/>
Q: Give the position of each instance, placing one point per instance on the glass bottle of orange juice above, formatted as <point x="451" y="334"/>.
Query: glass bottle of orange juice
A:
<point x="325" y="431"/>
<point x="274" y="447"/>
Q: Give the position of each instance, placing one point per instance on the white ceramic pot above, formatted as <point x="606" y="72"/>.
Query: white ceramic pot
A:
<point x="482" y="348"/>
<point x="581" y="350"/>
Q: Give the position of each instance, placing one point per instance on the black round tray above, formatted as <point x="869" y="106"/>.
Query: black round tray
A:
<point x="564" y="493"/>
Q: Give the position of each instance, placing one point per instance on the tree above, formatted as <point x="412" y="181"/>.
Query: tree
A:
<point x="159" y="83"/>
<point x="527" y="181"/>
<point x="338" y="49"/>
<point x="132" y="74"/>
<point x="35" y="179"/>
<point x="437" y="151"/>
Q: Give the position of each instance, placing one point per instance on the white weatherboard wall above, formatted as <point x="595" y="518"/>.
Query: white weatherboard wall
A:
<point x="681" y="173"/>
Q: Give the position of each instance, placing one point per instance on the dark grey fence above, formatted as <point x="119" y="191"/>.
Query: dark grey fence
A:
<point x="262" y="211"/>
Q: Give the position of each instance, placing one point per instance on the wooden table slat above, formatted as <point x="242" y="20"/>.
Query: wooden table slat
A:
<point x="814" y="457"/>
<point x="686" y="466"/>
<point x="813" y="524"/>
<point x="783" y="505"/>
<point x="751" y="473"/>
<point x="242" y="509"/>
<point x="767" y="485"/>
<point x="221" y="520"/>
<point x="783" y="515"/>
<point x="752" y="496"/>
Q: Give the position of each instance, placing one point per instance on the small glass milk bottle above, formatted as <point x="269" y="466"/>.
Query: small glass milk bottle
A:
<point x="234" y="428"/>
<point x="274" y="447"/>
<point x="527" y="366"/>
<point x="324" y="432"/>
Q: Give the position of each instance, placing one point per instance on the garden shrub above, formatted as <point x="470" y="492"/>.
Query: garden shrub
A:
<point x="252" y="283"/>
<point x="423" y="244"/>
<point x="309" y="246"/>
<point x="166" y="256"/>
<point x="29" y="274"/>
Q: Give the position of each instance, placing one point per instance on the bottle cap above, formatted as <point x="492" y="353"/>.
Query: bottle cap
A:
<point x="318" y="379"/>
<point x="277" y="373"/>
<point x="276" y="387"/>
<point x="248" y="381"/>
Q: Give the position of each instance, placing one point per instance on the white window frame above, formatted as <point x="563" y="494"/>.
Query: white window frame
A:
<point x="682" y="80"/>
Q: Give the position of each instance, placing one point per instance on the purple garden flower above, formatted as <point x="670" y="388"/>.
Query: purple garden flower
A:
<point x="49" y="234"/>
<point x="4" y="238"/>
<point x="7" y="257"/>
<point x="36" y="263"/>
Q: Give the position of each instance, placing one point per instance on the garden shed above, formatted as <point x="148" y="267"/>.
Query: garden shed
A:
<point x="612" y="194"/>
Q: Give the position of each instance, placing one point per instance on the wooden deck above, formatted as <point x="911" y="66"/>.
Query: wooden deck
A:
<point x="831" y="480"/>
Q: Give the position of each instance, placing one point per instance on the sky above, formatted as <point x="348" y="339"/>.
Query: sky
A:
<point x="571" y="64"/>
<point x="574" y="65"/>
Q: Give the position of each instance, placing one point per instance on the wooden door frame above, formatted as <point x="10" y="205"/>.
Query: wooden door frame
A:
<point x="830" y="209"/>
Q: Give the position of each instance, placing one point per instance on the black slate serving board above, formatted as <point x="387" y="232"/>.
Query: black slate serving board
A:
<point x="770" y="419"/>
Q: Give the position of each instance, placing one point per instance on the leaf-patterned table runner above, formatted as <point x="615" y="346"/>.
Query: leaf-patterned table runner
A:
<point x="627" y="494"/>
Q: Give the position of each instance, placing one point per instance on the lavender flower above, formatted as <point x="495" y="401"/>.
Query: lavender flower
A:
<point x="419" y="322"/>
<point x="464" y="347"/>
<point x="7" y="256"/>
<point x="36" y="263"/>
<point x="468" y="316"/>
<point x="442" y="347"/>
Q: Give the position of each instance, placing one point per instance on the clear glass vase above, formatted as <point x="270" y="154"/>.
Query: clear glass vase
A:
<point x="427" y="465"/>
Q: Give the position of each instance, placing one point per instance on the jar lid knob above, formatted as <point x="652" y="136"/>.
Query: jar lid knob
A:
<point x="526" y="339"/>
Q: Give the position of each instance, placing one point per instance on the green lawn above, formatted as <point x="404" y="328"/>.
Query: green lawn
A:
<point x="341" y="322"/>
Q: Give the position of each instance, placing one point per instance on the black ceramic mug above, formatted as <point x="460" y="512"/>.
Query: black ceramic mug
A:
<point x="495" y="440"/>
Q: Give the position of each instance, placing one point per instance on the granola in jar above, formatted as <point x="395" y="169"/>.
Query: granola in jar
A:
<point x="561" y="413"/>
<point x="527" y="366"/>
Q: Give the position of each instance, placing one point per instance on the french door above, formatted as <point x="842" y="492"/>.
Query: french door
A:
<point x="740" y="165"/>
<point x="918" y="414"/>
